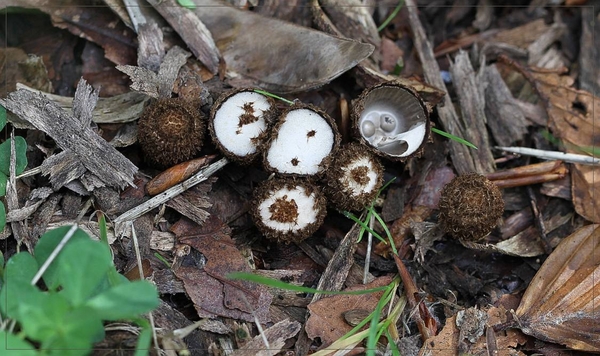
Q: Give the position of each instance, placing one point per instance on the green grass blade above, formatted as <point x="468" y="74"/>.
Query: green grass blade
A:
<point x="393" y="346"/>
<point x="188" y="4"/>
<point x="452" y="137"/>
<point x="162" y="259"/>
<point x="266" y="93"/>
<point x="387" y="231"/>
<point x="391" y="17"/>
<point x="363" y="225"/>
<point x="275" y="283"/>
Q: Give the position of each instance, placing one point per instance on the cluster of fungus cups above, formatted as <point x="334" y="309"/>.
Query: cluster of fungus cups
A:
<point x="300" y="146"/>
<point x="291" y="208"/>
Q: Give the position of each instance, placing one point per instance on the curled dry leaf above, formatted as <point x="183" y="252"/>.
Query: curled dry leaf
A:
<point x="562" y="303"/>
<point x="177" y="174"/>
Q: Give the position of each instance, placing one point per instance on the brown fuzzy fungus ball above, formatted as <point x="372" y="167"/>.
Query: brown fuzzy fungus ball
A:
<point x="470" y="206"/>
<point x="354" y="178"/>
<point x="288" y="210"/>
<point x="170" y="131"/>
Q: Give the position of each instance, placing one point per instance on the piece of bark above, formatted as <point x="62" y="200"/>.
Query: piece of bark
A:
<point x="18" y="228"/>
<point x="113" y="110"/>
<point x="350" y="19"/>
<point x="449" y="118"/>
<point x="589" y="55"/>
<point x="161" y="84"/>
<point x="192" y="30"/>
<point x="472" y="104"/>
<point x="504" y="117"/>
<point x="542" y="46"/>
<point x="484" y="15"/>
<point x="72" y="134"/>
<point x="334" y="276"/>
<point x="151" y="48"/>
<point x="43" y="215"/>
<point x="276" y="336"/>
<point x="39" y="194"/>
<point x="169" y="319"/>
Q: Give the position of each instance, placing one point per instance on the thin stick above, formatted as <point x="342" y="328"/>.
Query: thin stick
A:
<point x="53" y="255"/>
<point x="138" y="257"/>
<point x="550" y="155"/>
<point x="368" y="255"/>
<point x="168" y="194"/>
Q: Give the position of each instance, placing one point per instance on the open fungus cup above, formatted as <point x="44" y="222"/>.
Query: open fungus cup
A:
<point x="354" y="178"/>
<point x="303" y="142"/>
<point x="391" y="120"/>
<point x="171" y="131"/>
<point x="239" y="122"/>
<point x="288" y="210"/>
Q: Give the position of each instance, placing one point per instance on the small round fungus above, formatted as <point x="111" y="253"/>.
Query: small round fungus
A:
<point x="238" y="123"/>
<point x="302" y="143"/>
<point x="392" y="120"/>
<point x="354" y="178"/>
<point x="470" y="206"/>
<point x="288" y="210"/>
<point x="170" y="131"/>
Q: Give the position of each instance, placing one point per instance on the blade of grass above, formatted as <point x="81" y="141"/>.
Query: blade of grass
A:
<point x="452" y="137"/>
<point x="162" y="259"/>
<point x="393" y="346"/>
<point x="362" y="230"/>
<point x="275" y="283"/>
<point x="266" y="93"/>
<point x="387" y="231"/>
<point x="363" y="225"/>
<point x="391" y="17"/>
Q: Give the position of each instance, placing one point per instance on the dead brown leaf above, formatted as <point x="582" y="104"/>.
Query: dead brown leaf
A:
<point x="444" y="343"/>
<point x="208" y="286"/>
<point x="562" y="303"/>
<point x="326" y="319"/>
<point x="282" y="61"/>
<point x="572" y="116"/>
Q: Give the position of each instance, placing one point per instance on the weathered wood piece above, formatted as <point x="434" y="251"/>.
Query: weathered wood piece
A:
<point x="192" y="30"/>
<point x="115" y="109"/>
<point x="504" y="116"/>
<point x="161" y="84"/>
<point x="473" y="122"/>
<point x="20" y="232"/>
<point x="589" y="55"/>
<point x="73" y="134"/>
<point x="449" y="118"/>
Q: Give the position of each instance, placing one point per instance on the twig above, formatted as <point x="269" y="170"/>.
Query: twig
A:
<point x="53" y="255"/>
<point x="368" y="255"/>
<point x="539" y="221"/>
<point x="551" y="155"/>
<point x="136" y="247"/>
<point x="168" y="194"/>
